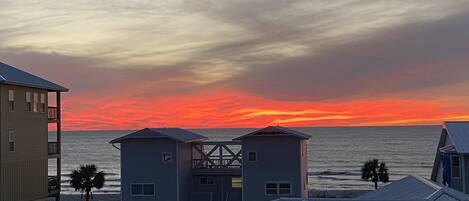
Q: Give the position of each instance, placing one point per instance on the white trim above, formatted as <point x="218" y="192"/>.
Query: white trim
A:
<point x="143" y="195"/>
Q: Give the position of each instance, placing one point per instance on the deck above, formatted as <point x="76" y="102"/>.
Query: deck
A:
<point x="217" y="157"/>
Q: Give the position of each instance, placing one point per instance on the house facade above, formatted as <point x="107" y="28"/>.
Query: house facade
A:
<point x="25" y="151"/>
<point x="178" y="165"/>
<point x="451" y="166"/>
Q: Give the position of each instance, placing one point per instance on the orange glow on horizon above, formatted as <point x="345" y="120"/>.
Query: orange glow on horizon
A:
<point x="235" y="109"/>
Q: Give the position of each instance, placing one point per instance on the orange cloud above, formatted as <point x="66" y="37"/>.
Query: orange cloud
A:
<point x="235" y="109"/>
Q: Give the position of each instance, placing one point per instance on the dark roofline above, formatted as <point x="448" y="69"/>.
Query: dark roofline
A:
<point x="50" y="89"/>
<point x="53" y="88"/>
<point x="288" y="131"/>
<point x="163" y="136"/>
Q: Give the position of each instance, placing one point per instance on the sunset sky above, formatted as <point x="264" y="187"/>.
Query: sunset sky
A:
<point x="198" y="64"/>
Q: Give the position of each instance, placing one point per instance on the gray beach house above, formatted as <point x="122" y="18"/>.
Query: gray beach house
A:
<point x="25" y="152"/>
<point x="172" y="164"/>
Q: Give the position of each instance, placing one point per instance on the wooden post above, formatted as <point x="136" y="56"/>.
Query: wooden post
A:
<point x="59" y="145"/>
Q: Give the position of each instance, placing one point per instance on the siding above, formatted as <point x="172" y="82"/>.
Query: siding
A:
<point x="141" y="162"/>
<point x="23" y="173"/>
<point x="277" y="161"/>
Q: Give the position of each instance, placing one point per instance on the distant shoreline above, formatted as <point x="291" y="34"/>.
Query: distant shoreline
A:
<point x="300" y="127"/>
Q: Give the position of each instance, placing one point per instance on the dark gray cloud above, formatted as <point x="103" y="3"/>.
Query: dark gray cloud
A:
<point x="99" y="76"/>
<point x="400" y="59"/>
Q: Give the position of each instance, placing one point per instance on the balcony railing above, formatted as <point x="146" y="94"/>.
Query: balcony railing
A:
<point x="52" y="148"/>
<point x="52" y="114"/>
<point x="54" y="185"/>
<point x="215" y="163"/>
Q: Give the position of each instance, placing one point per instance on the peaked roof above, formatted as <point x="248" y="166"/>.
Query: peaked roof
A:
<point x="277" y="131"/>
<point x="459" y="135"/>
<point x="414" y="188"/>
<point x="14" y="76"/>
<point x="410" y="188"/>
<point x="177" y="134"/>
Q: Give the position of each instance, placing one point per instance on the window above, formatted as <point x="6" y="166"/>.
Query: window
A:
<point x="455" y="170"/>
<point x="35" y="102"/>
<point x="29" y="104"/>
<point x="43" y="103"/>
<point x="11" y="100"/>
<point x="11" y="140"/>
<point x="284" y="188"/>
<point x="278" y="188"/>
<point x="252" y="156"/>
<point x="142" y="189"/>
<point x="236" y="182"/>
<point x="271" y="189"/>
<point x="206" y="181"/>
<point x="167" y="157"/>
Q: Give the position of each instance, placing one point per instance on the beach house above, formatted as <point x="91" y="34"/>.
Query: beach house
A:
<point x="25" y="152"/>
<point x="451" y="166"/>
<point x="179" y="165"/>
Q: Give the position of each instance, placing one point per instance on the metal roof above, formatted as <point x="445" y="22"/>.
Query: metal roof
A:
<point x="410" y="188"/>
<point x="277" y="131"/>
<point x="14" y="76"/>
<point x="459" y="135"/>
<point x="177" y="134"/>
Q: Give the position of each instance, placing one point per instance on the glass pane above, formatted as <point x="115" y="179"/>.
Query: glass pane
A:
<point x="11" y="95"/>
<point x="236" y="182"/>
<point x="137" y="189"/>
<point x="270" y="191"/>
<point x="203" y="180"/>
<point x="284" y="185"/>
<point x="28" y="96"/>
<point x="148" y="189"/>
<point x="271" y="185"/>
<point x="252" y="156"/>
<point x="284" y="191"/>
<point x="210" y="180"/>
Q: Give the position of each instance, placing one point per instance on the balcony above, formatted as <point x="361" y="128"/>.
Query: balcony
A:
<point x="52" y="114"/>
<point x="216" y="156"/>
<point x="54" y="185"/>
<point x="52" y="150"/>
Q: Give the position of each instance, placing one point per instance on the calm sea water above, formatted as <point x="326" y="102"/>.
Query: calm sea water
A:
<point x="335" y="154"/>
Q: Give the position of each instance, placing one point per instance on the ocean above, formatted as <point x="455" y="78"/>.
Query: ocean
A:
<point x="335" y="154"/>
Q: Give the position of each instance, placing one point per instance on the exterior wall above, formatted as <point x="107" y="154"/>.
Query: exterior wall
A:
<point x="456" y="183"/>
<point x="304" y="167"/>
<point x="465" y="172"/>
<point x="23" y="173"/>
<point x="444" y="141"/>
<point x="219" y="189"/>
<point x="185" y="165"/>
<point x="141" y="162"/>
<point x="277" y="160"/>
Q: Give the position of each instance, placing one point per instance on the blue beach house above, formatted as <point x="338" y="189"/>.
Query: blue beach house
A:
<point x="451" y="166"/>
<point x="172" y="164"/>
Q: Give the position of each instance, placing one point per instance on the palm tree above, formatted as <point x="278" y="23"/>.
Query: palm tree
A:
<point x="85" y="178"/>
<point x="375" y="171"/>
